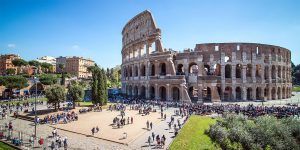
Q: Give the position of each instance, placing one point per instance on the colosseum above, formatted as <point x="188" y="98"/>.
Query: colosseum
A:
<point x="211" y="72"/>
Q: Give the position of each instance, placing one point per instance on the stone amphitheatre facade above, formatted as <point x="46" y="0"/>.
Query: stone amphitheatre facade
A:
<point x="210" y="72"/>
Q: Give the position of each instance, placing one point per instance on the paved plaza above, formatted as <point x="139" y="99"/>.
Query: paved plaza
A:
<point x="80" y="136"/>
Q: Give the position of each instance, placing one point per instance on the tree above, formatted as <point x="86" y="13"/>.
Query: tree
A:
<point x="55" y="94"/>
<point x="34" y="63"/>
<point x="63" y="76"/>
<point x="13" y="82"/>
<point x="19" y="63"/>
<point x="46" y="67"/>
<point x="75" y="93"/>
<point x="48" y="79"/>
<point x="10" y="71"/>
<point x="98" y="85"/>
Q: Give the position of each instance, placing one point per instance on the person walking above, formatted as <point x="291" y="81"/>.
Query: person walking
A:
<point x="153" y="136"/>
<point x="147" y="123"/>
<point x="151" y="126"/>
<point x="149" y="141"/>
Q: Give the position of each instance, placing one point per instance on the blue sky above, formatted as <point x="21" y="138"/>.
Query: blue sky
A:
<point x="92" y="28"/>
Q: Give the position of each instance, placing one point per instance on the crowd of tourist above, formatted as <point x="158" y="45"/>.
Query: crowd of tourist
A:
<point x="64" y="117"/>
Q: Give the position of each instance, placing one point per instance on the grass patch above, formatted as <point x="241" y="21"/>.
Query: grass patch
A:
<point x="24" y="101"/>
<point x="296" y="89"/>
<point x="192" y="136"/>
<point x="4" y="146"/>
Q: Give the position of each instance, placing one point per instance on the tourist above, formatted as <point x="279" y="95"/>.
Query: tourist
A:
<point x="163" y="139"/>
<point x="131" y="120"/>
<point x="149" y="140"/>
<point x="65" y="143"/>
<point x="93" y="131"/>
<point x="97" y="129"/>
<point x="153" y="136"/>
<point x="147" y="123"/>
<point x="150" y="125"/>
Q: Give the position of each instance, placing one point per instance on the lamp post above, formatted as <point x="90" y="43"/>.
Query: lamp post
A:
<point x="35" y="114"/>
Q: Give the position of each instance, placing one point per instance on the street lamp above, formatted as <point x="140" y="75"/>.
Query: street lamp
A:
<point x="36" y="80"/>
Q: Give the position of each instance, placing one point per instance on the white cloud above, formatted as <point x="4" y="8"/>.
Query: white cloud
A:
<point x="11" y="46"/>
<point x="75" y="47"/>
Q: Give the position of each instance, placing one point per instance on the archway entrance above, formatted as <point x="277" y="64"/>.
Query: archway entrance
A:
<point x="152" y="92"/>
<point x="162" y="93"/>
<point x="175" y="94"/>
<point x="206" y="93"/>
<point x="249" y="94"/>
<point x="238" y="92"/>
<point x="228" y="94"/>
<point x="143" y="92"/>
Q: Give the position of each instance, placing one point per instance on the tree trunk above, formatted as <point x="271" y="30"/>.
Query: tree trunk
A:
<point x="73" y="104"/>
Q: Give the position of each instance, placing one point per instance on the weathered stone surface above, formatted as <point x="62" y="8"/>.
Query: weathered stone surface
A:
<point x="210" y="72"/>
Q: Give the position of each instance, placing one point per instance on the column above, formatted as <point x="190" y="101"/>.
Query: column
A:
<point x="147" y="92"/>
<point x="157" y="97"/>
<point x="244" y="93"/>
<point x="244" y="77"/>
<point x="169" y="97"/>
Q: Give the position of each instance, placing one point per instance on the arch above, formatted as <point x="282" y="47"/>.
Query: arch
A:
<point x="227" y="71"/>
<point x="135" y="91"/>
<point x="143" y="70"/>
<point x="278" y="93"/>
<point x="258" y="71"/>
<point x="238" y="92"/>
<point x="130" y="71"/>
<point x="136" y="71"/>
<point x="206" y="93"/>
<point x="152" y="70"/>
<point x="175" y="93"/>
<point x="180" y="69"/>
<point x="228" y="94"/>
<point x="162" y="93"/>
<point x="273" y="72"/>
<point x="249" y="70"/>
<point x="249" y="94"/>
<point x="130" y="91"/>
<point x="143" y="92"/>
<point x="259" y="93"/>
<point x="279" y="71"/>
<point x="266" y="72"/>
<point x="283" y="94"/>
<point x="217" y="68"/>
<point x="193" y="68"/>
<point x="266" y="93"/>
<point x="152" y="92"/>
<point x="163" y="70"/>
<point x="238" y="71"/>
<point x="193" y="93"/>
<point x="273" y="93"/>
<point x="207" y="69"/>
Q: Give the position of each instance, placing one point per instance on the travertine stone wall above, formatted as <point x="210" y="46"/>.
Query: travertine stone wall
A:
<point x="210" y="72"/>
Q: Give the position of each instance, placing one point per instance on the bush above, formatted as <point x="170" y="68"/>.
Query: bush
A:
<point x="265" y="132"/>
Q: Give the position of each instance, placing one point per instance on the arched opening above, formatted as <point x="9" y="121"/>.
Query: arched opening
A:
<point x="238" y="71"/>
<point x="266" y="72"/>
<point x="152" y="92"/>
<point x="207" y="69"/>
<point x="228" y="94"/>
<point x="135" y="91"/>
<point x="152" y="70"/>
<point x="130" y="71"/>
<point x="249" y="94"/>
<point x="143" y="70"/>
<point x="266" y="93"/>
<point x="130" y="91"/>
<point x="273" y="93"/>
<point x="283" y="94"/>
<point x="162" y="93"/>
<point x="238" y="92"/>
<point x="143" y="92"/>
<point x="258" y="71"/>
<point x="279" y="71"/>
<point x="193" y="93"/>
<point x="180" y="69"/>
<point x="193" y="68"/>
<point x="273" y="72"/>
<point x="217" y="68"/>
<point x="163" y="70"/>
<point x="206" y="93"/>
<point x="259" y="93"/>
<point x="136" y="71"/>
<point x="175" y="93"/>
<point x="249" y="70"/>
<point x="228" y="71"/>
<point x="278" y="93"/>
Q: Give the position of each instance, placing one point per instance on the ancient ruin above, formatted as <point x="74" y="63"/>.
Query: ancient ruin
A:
<point x="210" y="72"/>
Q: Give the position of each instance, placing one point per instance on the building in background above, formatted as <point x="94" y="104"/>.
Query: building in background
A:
<point x="75" y="65"/>
<point x="49" y="60"/>
<point x="6" y="62"/>
<point x="60" y="60"/>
